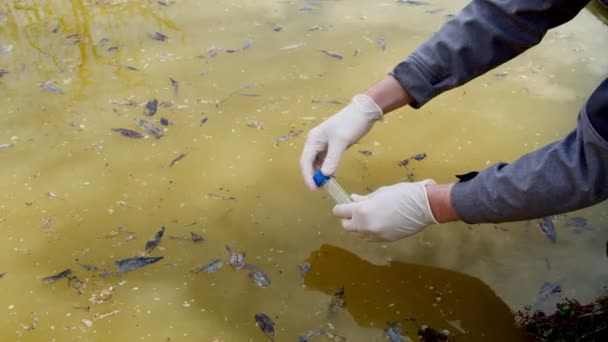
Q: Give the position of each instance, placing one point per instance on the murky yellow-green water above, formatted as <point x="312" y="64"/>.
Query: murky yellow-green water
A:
<point x="69" y="181"/>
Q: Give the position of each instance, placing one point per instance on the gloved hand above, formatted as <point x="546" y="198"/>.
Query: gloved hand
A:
<point x="389" y="213"/>
<point x="327" y="142"/>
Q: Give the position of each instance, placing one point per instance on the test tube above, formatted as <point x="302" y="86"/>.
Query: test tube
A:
<point x="332" y="187"/>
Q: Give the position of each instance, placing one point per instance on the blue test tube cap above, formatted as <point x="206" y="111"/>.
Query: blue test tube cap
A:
<point x="320" y="179"/>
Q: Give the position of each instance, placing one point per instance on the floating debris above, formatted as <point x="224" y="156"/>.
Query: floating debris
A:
<point x="320" y="28"/>
<point x="428" y="334"/>
<point x="2" y="146"/>
<point x="151" y="244"/>
<point x="579" y="224"/>
<point x="412" y="3"/>
<point x="107" y="314"/>
<point x="211" y="267"/>
<point x="382" y="43"/>
<point x="220" y="197"/>
<point x="176" y="160"/>
<point x="332" y="54"/>
<point x="265" y="324"/>
<point x="255" y="124"/>
<point x="3" y="72"/>
<point x="257" y="276"/>
<point x="290" y="136"/>
<point x="125" y="102"/>
<point x="357" y="52"/>
<point x="393" y="333"/>
<point x="236" y="260"/>
<point x="292" y="46"/>
<point x="404" y="162"/>
<point x="434" y="10"/>
<point x="128" y="133"/>
<point x="150" y="128"/>
<point x="175" y="85"/>
<point x="151" y="107"/>
<point x="306" y="9"/>
<point x="204" y="121"/>
<point x="52" y="279"/>
<point x="2" y="275"/>
<point x="277" y="27"/>
<point x="337" y="302"/>
<point x="547" y="226"/>
<point x="105" y="294"/>
<point x="89" y="267"/>
<point x="164" y="121"/>
<point x="166" y="104"/>
<point x="304" y="268"/>
<point x="501" y="75"/>
<point x="130" y="264"/>
<point x="366" y="153"/>
<point x="50" y="87"/>
<point x="75" y="283"/>
<point x="158" y="36"/>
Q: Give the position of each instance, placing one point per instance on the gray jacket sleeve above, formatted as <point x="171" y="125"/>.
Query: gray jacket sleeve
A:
<point x="563" y="176"/>
<point x="566" y="175"/>
<point x="485" y="34"/>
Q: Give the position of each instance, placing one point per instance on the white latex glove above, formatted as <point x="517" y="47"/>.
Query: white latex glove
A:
<point x="389" y="213"/>
<point x="327" y="142"/>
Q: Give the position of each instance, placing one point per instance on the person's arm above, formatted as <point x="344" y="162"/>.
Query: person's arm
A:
<point x="485" y="34"/>
<point x="563" y="176"/>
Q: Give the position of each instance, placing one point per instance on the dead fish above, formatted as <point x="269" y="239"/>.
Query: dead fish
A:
<point x="257" y="276"/>
<point x="54" y="278"/>
<point x="320" y="28"/>
<point x="166" y="104"/>
<point x="102" y="42"/>
<point x="158" y="36"/>
<point x="366" y="153"/>
<point x="332" y="54"/>
<point x="304" y="269"/>
<point x="175" y="86"/>
<point x="50" y="87"/>
<point x="547" y="290"/>
<point x="89" y="267"/>
<point x="404" y="162"/>
<point x="128" y="133"/>
<point x="176" y="160"/>
<point x="290" y="136"/>
<point x="501" y="75"/>
<point x="311" y="334"/>
<point x="382" y="43"/>
<point x="151" y="244"/>
<point x="547" y="226"/>
<point x="220" y="197"/>
<point x="196" y="238"/>
<point x="277" y="27"/>
<point x="151" y="107"/>
<point x="291" y="46"/>
<point x="113" y="49"/>
<point x="130" y="264"/>
<point x="2" y="146"/>
<point x="247" y="44"/>
<point x="236" y="260"/>
<point x="211" y="267"/>
<point x="579" y="224"/>
<point x="150" y="128"/>
<point x="419" y="157"/>
<point x="434" y="10"/>
<point x="337" y="302"/>
<point x="232" y="50"/>
<point x="412" y="3"/>
<point x="3" y="72"/>
<point x="305" y="9"/>
<point x="265" y="324"/>
<point x="2" y="275"/>
<point x="357" y="52"/>
<point x="248" y="94"/>
<point x="164" y="121"/>
<point x="204" y="121"/>
<point x="393" y="333"/>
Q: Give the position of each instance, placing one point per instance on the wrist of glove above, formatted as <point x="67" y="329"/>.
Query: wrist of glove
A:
<point x="389" y="213"/>
<point x="327" y="142"/>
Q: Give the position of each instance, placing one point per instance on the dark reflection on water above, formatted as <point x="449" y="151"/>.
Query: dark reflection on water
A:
<point x="377" y="294"/>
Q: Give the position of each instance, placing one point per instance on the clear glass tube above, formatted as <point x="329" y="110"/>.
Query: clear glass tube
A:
<point x="336" y="192"/>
